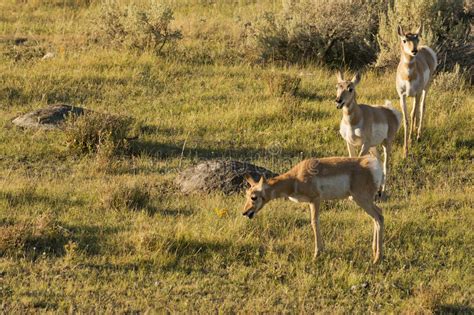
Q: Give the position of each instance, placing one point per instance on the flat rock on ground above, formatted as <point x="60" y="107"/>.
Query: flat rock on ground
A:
<point x="219" y="175"/>
<point x="50" y="117"/>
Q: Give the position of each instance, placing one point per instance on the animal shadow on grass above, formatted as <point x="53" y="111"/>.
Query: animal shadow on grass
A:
<point x="89" y="238"/>
<point x="191" y="255"/>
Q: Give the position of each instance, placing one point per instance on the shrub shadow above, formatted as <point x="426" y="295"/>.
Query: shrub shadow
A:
<point x="15" y="199"/>
<point x="454" y="309"/>
<point x="88" y="238"/>
<point x="167" y="150"/>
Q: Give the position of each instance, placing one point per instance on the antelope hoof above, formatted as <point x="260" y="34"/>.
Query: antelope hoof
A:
<point x="381" y="196"/>
<point x="317" y="254"/>
<point x="377" y="259"/>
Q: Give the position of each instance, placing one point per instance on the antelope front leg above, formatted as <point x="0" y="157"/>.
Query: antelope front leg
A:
<point x="364" y="150"/>
<point x="351" y="149"/>
<point x="318" y="241"/>
<point x="403" y="105"/>
<point x="422" y="111"/>
<point x="387" y="148"/>
<point x="414" y="116"/>
<point x="376" y="213"/>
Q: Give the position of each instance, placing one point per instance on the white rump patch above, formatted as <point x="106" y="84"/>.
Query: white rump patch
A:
<point x="358" y="132"/>
<point x="333" y="187"/>
<point x="426" y="76"/>
<point x="397" y="114"/>
<point x="433" y="54"/>
<point x="377" y="171"/>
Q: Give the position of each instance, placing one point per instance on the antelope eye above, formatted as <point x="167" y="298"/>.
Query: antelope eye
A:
<point x="404" y="41"/>
<point x="253" y="198"/>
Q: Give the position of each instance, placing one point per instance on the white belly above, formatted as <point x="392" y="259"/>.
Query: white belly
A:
<point x="333" y="187"/>
<point x="379" y="134"/>
<point x="351" y="134"/>
<point x="299" y="198"/>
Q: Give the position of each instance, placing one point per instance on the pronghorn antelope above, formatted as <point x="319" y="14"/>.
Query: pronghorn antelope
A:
<point x="366" y="126"/>
<point x="414" y="73"/>
<point x="314" y="180"/>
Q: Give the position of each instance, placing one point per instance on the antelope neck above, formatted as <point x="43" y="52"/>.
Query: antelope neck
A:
<point x="353" y="112"/>
<point x="280" y="187"/>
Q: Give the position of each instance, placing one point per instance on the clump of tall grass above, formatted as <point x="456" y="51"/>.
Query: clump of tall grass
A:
<point x="23" y="49"/>
<point x="281" y="84"/>
<point x="96" y="132"/>
<point x="138" y="26"/>
<point x="450" y="80"/>
<point x="128" y="195"/>
<point x="40" y="236"/>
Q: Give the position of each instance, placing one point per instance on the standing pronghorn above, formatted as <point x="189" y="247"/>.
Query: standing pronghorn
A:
<point x="314" y="180"/>
<point x="364" y="125"/>
<point x="414" y="73"/>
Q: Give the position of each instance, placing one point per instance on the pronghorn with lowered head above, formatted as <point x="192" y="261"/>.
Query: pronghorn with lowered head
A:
<point x="366" y="126"/>
<point x="414" y="74"/>
<point x="314" y="180"/>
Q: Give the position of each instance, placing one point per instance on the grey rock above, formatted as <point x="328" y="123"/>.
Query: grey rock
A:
<point x="50" y="117"/>
<point x="219" y="175"/>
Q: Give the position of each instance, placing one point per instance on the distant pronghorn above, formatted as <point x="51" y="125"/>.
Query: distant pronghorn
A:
<point x="414" y="74"/>
<point x="366" y="126"/>
<point x="314" y="180"/>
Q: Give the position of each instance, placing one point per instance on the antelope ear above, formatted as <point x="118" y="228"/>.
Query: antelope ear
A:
<point x="250" y="180"/>
<point x="419" y="30"/>
<point x="262" y="180"/>
<point x="356" y="79"/>
<point x="400" y="31"/>
<point x="339" y="76"/>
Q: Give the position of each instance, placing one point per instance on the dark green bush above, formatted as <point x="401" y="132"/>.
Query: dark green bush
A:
<point x="330" y="32"/>
<point x="446" y="26"/>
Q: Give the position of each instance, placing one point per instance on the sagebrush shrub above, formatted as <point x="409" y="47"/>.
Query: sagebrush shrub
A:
<point x="144" y="26"/>
<point x="92" y="131"/>
<point x="450" y="80"/>
<point x="446" y="26"/>
<point x="23" y="49"/>
<point x="317" y="30"/>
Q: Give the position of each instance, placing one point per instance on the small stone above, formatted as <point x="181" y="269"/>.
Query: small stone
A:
<point x="50" y="117"/>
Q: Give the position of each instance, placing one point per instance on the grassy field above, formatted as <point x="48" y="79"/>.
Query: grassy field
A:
<point x="64" y="248"/>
